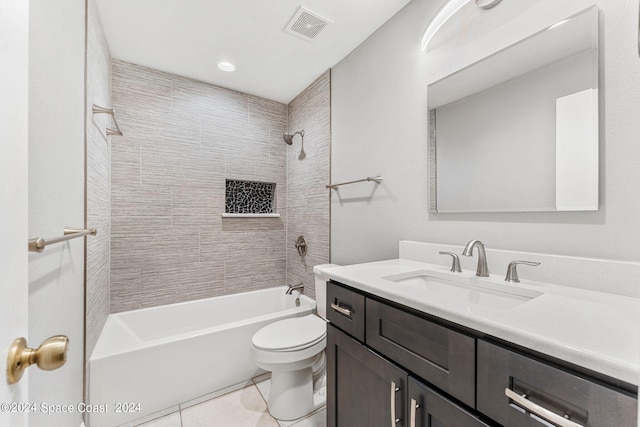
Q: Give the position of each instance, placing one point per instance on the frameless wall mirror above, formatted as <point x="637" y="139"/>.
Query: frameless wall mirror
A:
<point x="517" y="131"/>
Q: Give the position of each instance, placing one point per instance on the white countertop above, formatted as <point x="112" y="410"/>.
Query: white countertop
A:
<point x="595" y="330"/>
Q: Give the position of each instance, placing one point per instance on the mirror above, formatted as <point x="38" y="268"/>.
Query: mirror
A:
<point x="517" y="131"/>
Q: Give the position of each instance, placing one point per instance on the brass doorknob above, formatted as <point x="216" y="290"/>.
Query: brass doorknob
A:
<point x="51" y="355"/>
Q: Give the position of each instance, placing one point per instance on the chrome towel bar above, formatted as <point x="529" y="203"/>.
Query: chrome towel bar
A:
<point x="38" y="244"/>
<point x="102" y="110"/>
<point x="376" y="179"/>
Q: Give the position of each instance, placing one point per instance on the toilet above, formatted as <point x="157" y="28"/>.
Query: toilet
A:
<point x="293" y="351"/>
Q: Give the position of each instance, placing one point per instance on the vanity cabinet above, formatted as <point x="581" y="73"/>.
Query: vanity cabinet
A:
<point x="364" y="388"/>
<point x="367" y="390"/>
<point x="391" y="366"/>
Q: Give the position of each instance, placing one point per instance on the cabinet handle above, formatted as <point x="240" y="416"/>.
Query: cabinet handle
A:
<point x="394" y="390"/>
<point x="341" y="310"/>
<point x="539" y="410"/>
<point x="412" y="418"/>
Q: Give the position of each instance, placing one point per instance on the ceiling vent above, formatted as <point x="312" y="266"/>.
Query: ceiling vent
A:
<point x="306" y="24"/>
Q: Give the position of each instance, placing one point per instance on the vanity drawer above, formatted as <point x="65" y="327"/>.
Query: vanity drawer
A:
<point x="547" y="388"/>
<point x="439" y="355"/>
<point x="345" y="309"/>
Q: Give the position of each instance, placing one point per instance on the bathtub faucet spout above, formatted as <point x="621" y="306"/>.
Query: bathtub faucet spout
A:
<point x="298" y="287"/>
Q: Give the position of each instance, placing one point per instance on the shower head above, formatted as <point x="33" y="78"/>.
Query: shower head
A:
<point x="288" y="137"/>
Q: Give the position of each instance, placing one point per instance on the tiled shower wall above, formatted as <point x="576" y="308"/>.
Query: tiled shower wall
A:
<point x="182" y="139"/>
<point x="98" y="175"/>
<point x="308" y="173"/>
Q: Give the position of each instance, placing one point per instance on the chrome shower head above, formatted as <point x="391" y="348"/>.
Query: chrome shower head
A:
<point x="288" y="137"/>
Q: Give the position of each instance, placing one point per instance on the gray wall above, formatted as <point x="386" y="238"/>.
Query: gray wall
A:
<point x="56" y="198"/>
<point x="182" y="139"/>
<point x="379" y="126"/>
<point x="307" y="175"/>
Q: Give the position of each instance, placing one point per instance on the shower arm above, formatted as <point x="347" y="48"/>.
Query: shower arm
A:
<point x="288" y="137"/>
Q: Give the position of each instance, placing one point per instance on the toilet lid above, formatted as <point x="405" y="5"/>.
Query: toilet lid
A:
<point x="291" y="334"/>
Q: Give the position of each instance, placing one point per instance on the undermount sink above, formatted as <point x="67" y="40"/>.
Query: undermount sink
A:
<point x="465" y="289"/>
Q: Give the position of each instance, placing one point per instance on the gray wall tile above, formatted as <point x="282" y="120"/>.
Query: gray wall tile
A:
<point x="98" y="176"/>
<point x="307" y="198"/>
<point x="183" y="138"/>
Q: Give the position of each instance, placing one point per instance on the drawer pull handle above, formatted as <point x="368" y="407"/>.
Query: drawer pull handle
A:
<point x="341" y="310"/>
<point x="539" y="410"/>
<point x="394" y="390"/>
<point x="412" y="419"/>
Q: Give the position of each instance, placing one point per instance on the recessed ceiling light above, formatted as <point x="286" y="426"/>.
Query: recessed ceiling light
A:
<point x="226" y="66"/>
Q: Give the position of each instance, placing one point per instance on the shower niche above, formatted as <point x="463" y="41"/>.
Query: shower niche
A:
<point x="250" y="199"/>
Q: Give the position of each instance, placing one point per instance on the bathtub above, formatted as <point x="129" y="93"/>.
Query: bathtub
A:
<point x="151" y="359"/>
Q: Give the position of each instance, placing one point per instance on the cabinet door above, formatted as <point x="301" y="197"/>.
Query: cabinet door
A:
<point x="363" y="389"/>
<point x="439" y="355"/>
<point x="429" y="409"/>
<point x="518" y="391"/>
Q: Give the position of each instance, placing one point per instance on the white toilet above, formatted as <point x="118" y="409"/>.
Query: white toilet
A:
<point x="293" y="350"/>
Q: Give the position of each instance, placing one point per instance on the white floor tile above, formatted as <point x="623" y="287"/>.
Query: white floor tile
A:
<point x="319" y="419"/>
<point x="263" y="387"/>
<point x="215" y="394"/>
<point x="172" y="420"/>
<point x="152" y="417"/>
<point x="241" y="408"/>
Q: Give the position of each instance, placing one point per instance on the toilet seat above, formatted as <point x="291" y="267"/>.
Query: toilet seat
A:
<point x="293" y="351"/>
<point x="291" y="334"/>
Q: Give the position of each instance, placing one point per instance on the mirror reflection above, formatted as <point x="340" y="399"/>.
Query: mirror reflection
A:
<point x="518" y="130"/>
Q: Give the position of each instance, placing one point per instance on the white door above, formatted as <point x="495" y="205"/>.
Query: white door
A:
<point x="14" y="26"/>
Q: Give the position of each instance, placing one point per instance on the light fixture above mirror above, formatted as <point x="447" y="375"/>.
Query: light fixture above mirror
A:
<point x="446" y="12"/>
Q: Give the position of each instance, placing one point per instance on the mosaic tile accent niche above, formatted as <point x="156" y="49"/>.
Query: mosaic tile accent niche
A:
<point x="249" y="197"/>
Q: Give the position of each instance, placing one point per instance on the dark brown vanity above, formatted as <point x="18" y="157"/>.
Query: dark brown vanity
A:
<point x="391" y="365"/>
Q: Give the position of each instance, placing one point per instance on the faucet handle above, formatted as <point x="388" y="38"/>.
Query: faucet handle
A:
<point x="512" y="273"/>
<point x="455" y="261"/>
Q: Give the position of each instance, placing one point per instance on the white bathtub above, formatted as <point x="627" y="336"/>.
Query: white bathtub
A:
<point x="159" y="357"/>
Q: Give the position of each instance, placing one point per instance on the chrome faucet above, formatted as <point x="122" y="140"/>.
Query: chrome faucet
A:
<point x="298" y="287"/>
<point x="482" y="270"/>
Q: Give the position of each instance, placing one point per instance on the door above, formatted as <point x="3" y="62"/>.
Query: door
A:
<point x="14" y="25"/>
<point x="363" y="389"/>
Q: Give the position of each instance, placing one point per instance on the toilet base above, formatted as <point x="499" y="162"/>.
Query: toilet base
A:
<point x="292" y="395"/>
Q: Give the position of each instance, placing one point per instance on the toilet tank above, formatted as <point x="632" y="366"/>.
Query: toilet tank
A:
<point x="321" y="278"/>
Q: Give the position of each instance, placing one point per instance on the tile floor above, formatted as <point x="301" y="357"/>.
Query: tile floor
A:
<point x="242" y="405"/>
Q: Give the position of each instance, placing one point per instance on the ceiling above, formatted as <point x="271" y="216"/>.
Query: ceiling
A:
<point x="188" y="37"/>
